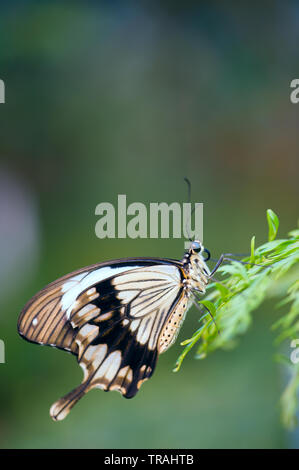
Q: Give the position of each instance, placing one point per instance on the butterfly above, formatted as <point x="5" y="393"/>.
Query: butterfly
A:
<point x="116" y="317"/>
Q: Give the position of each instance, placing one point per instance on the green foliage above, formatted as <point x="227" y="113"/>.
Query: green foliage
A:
<point x="241" y="291"/>
<point x="273" y="223"/>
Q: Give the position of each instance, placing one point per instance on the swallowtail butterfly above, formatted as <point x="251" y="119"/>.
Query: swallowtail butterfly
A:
<point x="116" y="318"/>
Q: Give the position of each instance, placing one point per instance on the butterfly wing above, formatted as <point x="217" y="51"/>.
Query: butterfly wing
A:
<point x="112" y="317"/>
<point x="43" y="319"/>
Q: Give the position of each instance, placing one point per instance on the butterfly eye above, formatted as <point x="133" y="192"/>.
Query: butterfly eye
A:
<point x="196" y="246"/>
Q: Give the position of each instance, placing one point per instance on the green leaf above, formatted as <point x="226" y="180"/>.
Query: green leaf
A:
<point x="224" y="291"/>
<point x="294" y="233"/>
<point x="209" y="305"/>
<point x="289" y="399"/>
<point x="275" y="245"/>
<point x="252" y="245"/>
<point x="282" y="359"/>
<point x="273" y="224"/>
<point x="190" y="345"/>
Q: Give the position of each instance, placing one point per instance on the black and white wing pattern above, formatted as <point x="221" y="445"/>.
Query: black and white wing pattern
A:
<point x="115" y="317"/>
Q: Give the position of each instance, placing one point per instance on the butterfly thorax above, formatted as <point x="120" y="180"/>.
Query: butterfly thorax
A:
<point x="196" y="271"/>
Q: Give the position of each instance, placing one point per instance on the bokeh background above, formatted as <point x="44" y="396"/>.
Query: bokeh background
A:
<point x="128" y="97"/>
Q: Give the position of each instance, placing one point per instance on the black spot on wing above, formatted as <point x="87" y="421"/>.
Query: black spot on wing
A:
<point x="134" y="354"/>
<point x="119" y="337"/>
<point x="107" y="299"/>
<point x="138" y="356"/>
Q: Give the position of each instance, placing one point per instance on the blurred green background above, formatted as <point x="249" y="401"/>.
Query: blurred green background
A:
<point x="108" y="98"/>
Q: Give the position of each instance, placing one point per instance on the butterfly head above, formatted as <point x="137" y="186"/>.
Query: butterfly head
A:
<point x="198" y="271"/>
<point x="197" y="247"/>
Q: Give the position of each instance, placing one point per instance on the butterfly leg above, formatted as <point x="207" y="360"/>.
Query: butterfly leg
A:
<point x="224" y="257"/>
<point x="217" y="265"/>
<point x="227" y="257"/>
<point x="195" y="297"/>
<point x="217" y="281"/>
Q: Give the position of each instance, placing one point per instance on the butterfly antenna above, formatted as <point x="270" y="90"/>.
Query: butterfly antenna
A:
<point x="192" y="212"/>
<point x="189" y="188"/>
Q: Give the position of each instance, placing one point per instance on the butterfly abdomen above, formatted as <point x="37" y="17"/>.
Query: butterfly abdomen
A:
<point x="173" y="324"/>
